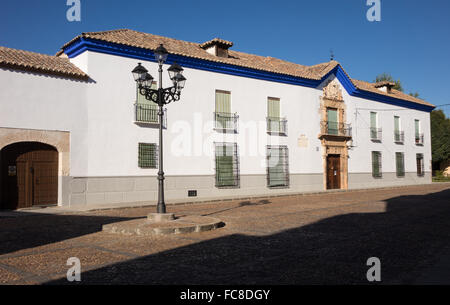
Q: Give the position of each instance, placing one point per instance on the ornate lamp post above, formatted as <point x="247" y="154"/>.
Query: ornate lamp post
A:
<point x="161" y="96"/>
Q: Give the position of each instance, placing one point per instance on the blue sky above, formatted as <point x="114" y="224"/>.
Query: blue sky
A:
<point x="411" y="42"/>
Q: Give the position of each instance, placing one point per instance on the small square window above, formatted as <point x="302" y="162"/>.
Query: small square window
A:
<point x="148" y="155"/>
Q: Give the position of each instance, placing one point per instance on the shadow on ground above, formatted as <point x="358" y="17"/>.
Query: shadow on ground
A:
<point x="332" y="251"/>
<point x="31" y="230"/>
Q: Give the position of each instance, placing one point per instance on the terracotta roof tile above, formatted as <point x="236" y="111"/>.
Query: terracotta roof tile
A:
<point x="362" y="85"/>
<point x="30" y="61"/>
<point x="195" y="50"/>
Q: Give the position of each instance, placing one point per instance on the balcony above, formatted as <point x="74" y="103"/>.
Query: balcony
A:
<point x="375" y="134"/>
<point x="226" y="122"/>
<point x="399" y="137"/>
<point x="419" y="139"/>
<point x="277" y="126"/>
<point x="148" y="115"/>
<point x="336" y="129"/>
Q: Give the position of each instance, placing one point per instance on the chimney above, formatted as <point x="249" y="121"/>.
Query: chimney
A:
<point x="217" y="47"/>
<point x="385" y="86"/>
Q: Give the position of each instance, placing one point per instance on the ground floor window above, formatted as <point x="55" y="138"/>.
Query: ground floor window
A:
<point x="227" y="165"/>
<point x="420" y="165"/>
<point x="277" y="166"/>
<point x="400" y="164"/>
<point x="376" y="164"/>
<point x="148" y="155"/>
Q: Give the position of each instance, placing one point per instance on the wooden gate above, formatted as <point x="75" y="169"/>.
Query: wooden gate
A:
<point x="333" y="172"/>
<point x="29" y="175"/>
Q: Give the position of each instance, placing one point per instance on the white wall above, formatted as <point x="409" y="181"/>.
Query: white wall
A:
<point x="35" y="101"/>
<point x="113" y="137"/>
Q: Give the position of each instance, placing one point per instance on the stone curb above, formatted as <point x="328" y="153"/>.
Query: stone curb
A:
<point x="143" y="227"/>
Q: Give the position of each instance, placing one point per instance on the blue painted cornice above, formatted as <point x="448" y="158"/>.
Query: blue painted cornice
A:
<point x="82" y="44"/>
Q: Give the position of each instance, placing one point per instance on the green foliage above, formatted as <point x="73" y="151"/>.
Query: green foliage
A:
<point x="389" y="78"/>
<point x="440" y="136"/>
<point x="416" y="94"/>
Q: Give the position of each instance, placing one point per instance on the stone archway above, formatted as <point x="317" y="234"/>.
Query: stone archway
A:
<point x="58" y="139"/>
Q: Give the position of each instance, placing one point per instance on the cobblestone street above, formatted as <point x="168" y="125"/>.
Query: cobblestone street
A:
<point x="309" y="239"/>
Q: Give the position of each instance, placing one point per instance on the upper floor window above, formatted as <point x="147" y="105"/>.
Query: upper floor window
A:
<point x="146" y="111"/>
<point x="332" y="121"/>
<point x="224" y="119"/>
<point x="275" y="123"/>
<point x="399" y="135"/>
<point x="418" y="133"/>
<point x="375" y="131"/>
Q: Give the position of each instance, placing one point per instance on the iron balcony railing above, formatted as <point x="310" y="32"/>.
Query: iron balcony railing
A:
<point x="226" y="122"/>
<point x="148" y="114"/>
<point x="375" y="134"/>
<point x="336" y="129"/>
<point x="419" y="139"/>
<point x="399" y="136"/>
<point x="277" y="125"/>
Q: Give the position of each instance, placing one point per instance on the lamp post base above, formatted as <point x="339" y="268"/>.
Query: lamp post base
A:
<point x="159" y="217"/>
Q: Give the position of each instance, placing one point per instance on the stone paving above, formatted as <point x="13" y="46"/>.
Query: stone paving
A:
<point x="306" y="239"/>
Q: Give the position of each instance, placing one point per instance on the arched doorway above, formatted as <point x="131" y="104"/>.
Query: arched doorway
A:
<point x="29" y="175"/>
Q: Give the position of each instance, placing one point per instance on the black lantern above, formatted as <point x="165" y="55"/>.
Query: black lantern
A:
<point x="161" y="54"/>
<point x="147" y="80"/>
<point x="179" y="81"/>
<point x="174" y="70"/>
<point x="139" y="73"/>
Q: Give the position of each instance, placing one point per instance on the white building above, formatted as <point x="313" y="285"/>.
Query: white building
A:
<point x="73" y="130"/>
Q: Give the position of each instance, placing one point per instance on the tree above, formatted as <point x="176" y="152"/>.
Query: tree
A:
<point x="416" y="94"/>
<point x="389" y="78"/>
<point x="440" y="136"/>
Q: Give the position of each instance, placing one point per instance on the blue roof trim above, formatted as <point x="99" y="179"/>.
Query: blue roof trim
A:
<point x="81" y="45"/>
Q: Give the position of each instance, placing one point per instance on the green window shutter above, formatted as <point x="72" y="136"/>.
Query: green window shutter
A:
<point x="417" y="128"/>
<point x="278" y="169"/>
<point x="373" y="125"/>
<point x="332" y="119"/>
<point x="223" y="101"/>
<point x="147" y="155"/>
<point x="373" y="120"/>
<point x="226" y="165"/>
<point x="273" y="107"/>
<point x="397" y="124"/>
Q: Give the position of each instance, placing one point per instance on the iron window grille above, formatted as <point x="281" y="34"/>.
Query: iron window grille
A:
<point x="336" y="129"/>
<point x="226" y="122"/>
<point x="148" y="114"/>
<point x="376" y="164"/>
<point x="420" y="165"/>
<point x="277" y="166"/>
<point x="419" y="139"/>
<point x="148" y="155"/>
<point x="400" y="164"/>
<point x="227" y="165"/>
<point x="399" y="137"/>
<point x="276" y="125"/>
<point x="376" y="134"/>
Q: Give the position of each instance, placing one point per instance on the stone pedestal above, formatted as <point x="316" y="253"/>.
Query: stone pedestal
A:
<point x="157" y="217"/>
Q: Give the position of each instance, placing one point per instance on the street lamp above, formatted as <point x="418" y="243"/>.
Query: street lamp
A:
<point x="161" y="96"/>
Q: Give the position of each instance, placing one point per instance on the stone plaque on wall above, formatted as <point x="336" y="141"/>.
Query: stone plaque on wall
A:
<point x="303" y="141"/>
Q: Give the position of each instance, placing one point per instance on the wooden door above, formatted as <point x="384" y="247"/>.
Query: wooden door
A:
<point x="333" y="172"/>
<point x="29" y="175"/>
